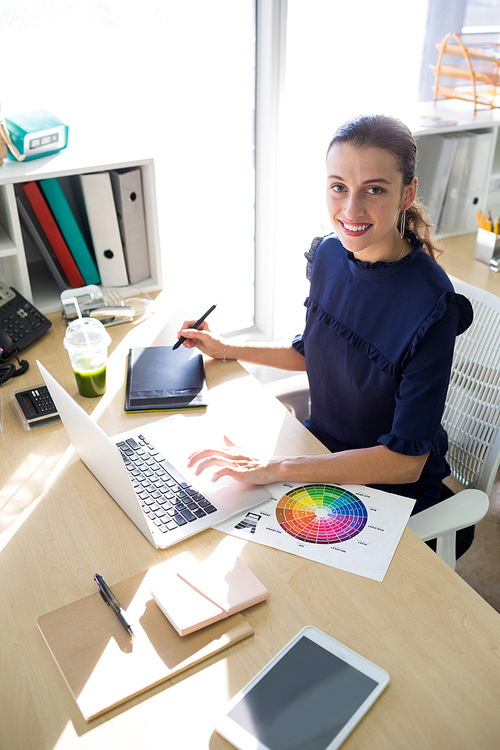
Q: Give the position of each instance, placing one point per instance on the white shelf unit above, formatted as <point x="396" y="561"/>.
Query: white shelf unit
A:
<point x="457" y="118"/>
<point x="494" y="183"/>
<point x="32" y="279"/>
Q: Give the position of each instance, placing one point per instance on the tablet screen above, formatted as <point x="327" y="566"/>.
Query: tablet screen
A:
<point x="304" y="701"/>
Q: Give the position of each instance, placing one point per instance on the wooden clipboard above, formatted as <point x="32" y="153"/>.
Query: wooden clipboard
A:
<point x="104" y="666"/>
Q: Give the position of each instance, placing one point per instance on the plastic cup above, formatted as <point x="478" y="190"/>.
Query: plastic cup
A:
<point x="87" y="343"/>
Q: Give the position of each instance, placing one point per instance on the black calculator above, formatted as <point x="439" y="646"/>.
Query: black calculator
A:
<point x="34" y="407"/>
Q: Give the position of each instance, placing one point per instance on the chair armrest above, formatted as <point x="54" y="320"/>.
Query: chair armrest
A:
<point x="466" y="508"/>
<point x="293" y="392"/>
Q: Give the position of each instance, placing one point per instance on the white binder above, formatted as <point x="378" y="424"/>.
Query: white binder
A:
<point x="127" y="190"/>
<point x="450" y="214"/>
<point x="434" y="173"/>
<point x="103" y="222"/>
<point x="447" y="145"/>
<point x="476" y="186"/>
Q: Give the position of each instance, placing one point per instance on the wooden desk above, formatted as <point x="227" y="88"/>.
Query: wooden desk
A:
<point x="439" y="641"/>
<point x="458" y="260"/>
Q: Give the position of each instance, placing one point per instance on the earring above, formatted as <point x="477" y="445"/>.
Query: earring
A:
<point x="403" y="222"/>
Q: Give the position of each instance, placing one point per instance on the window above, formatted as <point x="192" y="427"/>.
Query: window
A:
<point x="239" y="167"/>
<point x="169" y="79"/>
<point x="459" y="16"/>
<point x="482" y="14"/>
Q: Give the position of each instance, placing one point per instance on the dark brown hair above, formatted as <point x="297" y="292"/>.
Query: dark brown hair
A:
<point x="390" y="134"/>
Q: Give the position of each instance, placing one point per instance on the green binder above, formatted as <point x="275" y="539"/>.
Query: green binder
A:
<point x="70" y="230"/>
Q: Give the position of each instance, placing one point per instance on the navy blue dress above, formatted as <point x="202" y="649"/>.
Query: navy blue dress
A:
<point x="378" y="343"/>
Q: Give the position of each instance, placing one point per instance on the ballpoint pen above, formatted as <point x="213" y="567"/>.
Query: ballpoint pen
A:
<point x="195" y="325"/>
<point x="110" y="599"/>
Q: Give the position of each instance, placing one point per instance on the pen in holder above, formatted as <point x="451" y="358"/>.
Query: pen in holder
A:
<point x="488" y="248"/>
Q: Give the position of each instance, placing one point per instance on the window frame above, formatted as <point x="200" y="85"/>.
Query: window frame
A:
<point x="270" y="83"/>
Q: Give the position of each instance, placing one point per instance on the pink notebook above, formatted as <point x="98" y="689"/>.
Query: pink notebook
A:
<point x="193" y="595"/>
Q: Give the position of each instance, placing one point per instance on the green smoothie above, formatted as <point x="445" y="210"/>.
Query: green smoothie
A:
<point x="91" y="383"/>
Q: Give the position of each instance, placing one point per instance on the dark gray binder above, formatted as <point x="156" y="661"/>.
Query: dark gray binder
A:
<point x="127" y="191"/>
<point x="28" y="225"/>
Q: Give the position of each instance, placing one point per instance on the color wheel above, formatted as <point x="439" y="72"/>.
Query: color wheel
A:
<point x="321" y="514"/>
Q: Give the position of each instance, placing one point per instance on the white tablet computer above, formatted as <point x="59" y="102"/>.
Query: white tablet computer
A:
<point x="309" y="697"/>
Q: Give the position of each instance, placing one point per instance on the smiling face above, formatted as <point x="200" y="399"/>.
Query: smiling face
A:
<point x="365" y="196"/>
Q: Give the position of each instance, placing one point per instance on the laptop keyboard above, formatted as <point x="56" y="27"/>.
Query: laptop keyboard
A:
<point x="165" y="496"/>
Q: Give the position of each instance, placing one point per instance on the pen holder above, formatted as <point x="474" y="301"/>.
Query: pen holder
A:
<point x="488" y="248"/>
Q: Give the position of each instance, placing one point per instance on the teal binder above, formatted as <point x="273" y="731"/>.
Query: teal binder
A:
<point x="70" y="230"/>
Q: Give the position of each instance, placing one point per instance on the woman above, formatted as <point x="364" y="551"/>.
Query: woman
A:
<point x="381" y="322"/>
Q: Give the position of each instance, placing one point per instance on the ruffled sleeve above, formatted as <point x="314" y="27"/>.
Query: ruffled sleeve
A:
<point x="309" y="256"/>
<point x="466" y="311"/>
<point x="465" y="317"/>
<point x="410" y="447"/>
<point x="298" y="342"/>
<point x="420" y="398"/>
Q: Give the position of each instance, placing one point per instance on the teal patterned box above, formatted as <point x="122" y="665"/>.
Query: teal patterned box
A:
<point x="37" y="133"/>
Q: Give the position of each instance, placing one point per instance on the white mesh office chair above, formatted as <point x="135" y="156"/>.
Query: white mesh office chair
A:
<point x="471" y="418"/>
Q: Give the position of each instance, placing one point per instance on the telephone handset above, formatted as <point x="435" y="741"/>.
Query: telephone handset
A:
<point x="20" y="325"/>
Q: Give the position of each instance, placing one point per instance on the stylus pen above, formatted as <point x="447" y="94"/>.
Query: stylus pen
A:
<point x="110" y="599"/>
<point x="195" y="325"/>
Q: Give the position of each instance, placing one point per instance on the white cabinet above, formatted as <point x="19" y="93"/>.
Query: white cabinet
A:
<point x="494" y="183"/>
<point x="474" y="180"/>
<point x="28" y="274"/>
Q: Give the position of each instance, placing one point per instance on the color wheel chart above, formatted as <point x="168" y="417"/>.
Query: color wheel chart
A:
<point x="351" y="527"/>
<point x="321" y="514"/>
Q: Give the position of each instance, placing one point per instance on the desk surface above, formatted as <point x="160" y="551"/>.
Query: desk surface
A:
<point x="439" y="641"/>
<point x="458" y="260"/>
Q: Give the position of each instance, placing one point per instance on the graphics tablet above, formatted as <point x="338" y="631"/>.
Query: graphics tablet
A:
<point x="159" y="378"/>
<point x="309" y="697"/>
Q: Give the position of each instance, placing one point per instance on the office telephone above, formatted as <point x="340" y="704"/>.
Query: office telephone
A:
<point x="20" y="325"/>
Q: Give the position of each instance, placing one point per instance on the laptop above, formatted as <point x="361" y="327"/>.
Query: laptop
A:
<point x="145" y="471"/>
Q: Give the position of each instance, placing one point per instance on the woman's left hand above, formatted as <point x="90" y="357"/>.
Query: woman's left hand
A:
<point x="233" y="464"/>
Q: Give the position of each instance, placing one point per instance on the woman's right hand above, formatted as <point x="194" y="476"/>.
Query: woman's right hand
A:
<point x="202" y="338"/>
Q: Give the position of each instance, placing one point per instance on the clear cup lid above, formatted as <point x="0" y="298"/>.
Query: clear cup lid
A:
<point x="80" y="334"/>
